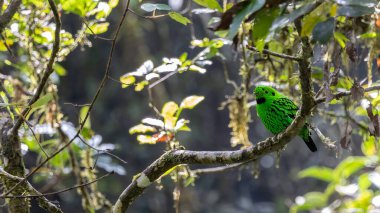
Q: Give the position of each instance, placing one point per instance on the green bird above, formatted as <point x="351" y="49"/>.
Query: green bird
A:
<point x="277" y="112"/>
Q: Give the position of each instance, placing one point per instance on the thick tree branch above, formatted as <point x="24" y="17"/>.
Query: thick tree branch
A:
<point x="43" y="202"/>
<point x="8" y="14"/>
<point x="176" y="157"/>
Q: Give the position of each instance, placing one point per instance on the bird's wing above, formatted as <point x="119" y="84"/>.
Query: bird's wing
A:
<point x="286" y="106"/>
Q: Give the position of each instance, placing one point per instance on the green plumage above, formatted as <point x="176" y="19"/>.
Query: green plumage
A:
<point x="277" y="112"/>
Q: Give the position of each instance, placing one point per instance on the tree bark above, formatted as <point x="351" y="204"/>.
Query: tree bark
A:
<point x="14" y="165"/>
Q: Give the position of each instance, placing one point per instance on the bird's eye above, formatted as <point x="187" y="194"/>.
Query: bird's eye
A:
<point x="273" y="93"/>
<point x="266" y="92"/>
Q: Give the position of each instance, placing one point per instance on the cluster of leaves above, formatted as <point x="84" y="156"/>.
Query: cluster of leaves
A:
<point x="353" y="185"/>
<point x="166" y="128"/>
<point x="148" y="74"/>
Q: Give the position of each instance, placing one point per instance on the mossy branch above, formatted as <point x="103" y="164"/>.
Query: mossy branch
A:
<point x="272" y="144"/>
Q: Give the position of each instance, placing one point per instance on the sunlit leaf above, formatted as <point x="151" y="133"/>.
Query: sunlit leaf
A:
<point x="212" y="4"/>
<point x="141" y="128"/>
<point x="364" y="182"/>
<point x="191" y="101"/>
<point x="369" y="146"/>
<point x="341" y="39"/>
<point x="82" y="114"/>
<point x="141" y="85"/>
<point x="197" y="69"/>
<point x="60" y="70"/>
<point x="153" y="122"/>
<point x="98" y="28"/>
<point x="146" y="139"/>
<point x="127" y="80"/>
<point x="181" y="125"/>
<point x="3" y="47"/>
<point x="179" y="18"/>
<point x="169" y="109"/>
<point x="113" y="3"/>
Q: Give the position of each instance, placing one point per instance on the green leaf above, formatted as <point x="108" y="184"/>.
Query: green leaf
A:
<point x="355" y="11"/>
<point x="60" y="70"/>
<point x="196" y="68"/>
<point x="311" y="19"/>
<point x="140" y="86"/>
<point x="127" y="80"/>
<point x="364" y="182"/>
<point x="98" y="28"/>
<point x="212" y="4"/>
<point x="146" y="139"/>
<point x="191" y="101"/>
<point x="263" y="21"/>
<point x="320" y="173"/>
<point x="82" y="114"/>
<point x="181" y="125"/>
<point x="149" y="7"/>
<point x="252" y="7"/>
<point x="42" y="100"/>
<point x="349" y="166"/>
<point x="323" y="31"/>
<point x="113" y="3"/>
<point x="369" y="146"/>
<point x="313" y="200"/>
<point x="285" y="20"/>
<point x="369" y="35"/>
<point x="141" y="128"/>
<point x="179" y="18"/>
<point x="341" y="39"/>
<point x="169" y="109"/>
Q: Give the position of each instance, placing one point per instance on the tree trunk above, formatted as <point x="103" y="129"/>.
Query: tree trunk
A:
<point x="13" y="164"/>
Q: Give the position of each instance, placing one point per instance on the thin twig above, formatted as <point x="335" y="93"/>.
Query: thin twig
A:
<point x="51" y="2"/>
<point x="101" y="151"/>
<point x="280" y="55"/>
<point x="148" y="17"/>
<point x="60" y="191"/>
<point x="346" y="93"/>
<point x="217" y="169"/>
<point x="44" y="203"/>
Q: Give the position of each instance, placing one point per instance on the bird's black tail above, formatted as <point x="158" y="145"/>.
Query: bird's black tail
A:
<point x="310" y="143"/>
